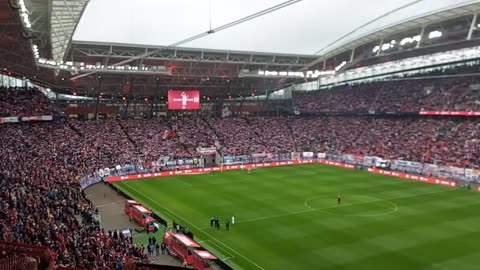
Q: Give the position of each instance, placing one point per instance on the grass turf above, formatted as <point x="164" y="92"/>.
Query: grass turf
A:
<point x="288" y="218"/>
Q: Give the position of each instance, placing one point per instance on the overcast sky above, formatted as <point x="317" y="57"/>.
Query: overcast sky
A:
<point x="302" y="28"/>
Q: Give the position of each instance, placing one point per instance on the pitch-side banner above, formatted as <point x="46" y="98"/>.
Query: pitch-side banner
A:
<point x="183" y="100"/>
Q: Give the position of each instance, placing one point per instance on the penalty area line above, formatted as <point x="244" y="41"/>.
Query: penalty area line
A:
<point x="199" y="229"/>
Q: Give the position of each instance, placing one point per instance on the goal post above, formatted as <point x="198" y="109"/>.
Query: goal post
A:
<point x="227" y="166"/>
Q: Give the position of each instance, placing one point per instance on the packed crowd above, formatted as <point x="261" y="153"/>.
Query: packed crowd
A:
<point x="274" y="133"/>
<point x="41" y="201"/>
<point x="412" y="95"/>
<point x="236" y="136"/>
<point x="193" y="133"/>
<point x="93" y="145"/>
<point x="24" y="102"/>
<point x="153" y="139"/>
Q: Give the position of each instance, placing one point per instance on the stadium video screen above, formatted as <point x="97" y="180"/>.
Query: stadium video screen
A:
<point x="184" y="100"/>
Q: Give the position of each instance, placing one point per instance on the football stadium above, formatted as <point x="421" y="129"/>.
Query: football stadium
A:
<point x="239" y="134"/>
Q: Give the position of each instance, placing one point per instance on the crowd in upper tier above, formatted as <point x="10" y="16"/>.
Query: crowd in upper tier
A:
<point x="414" y="95"/>
<point x="24" y="102"/>
<point x="398" y="95"/>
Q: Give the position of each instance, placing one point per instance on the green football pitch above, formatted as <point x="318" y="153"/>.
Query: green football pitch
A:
<point x="288" y="218"/>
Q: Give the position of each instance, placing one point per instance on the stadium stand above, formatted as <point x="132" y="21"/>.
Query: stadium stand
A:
<point x="24" y="102"/>
<point x="445" y="94"/>
<point x="41" y="200"/>
<point x="236" y="136"/>
<point x="148" y="133"/>
<point x="193" y="133"/>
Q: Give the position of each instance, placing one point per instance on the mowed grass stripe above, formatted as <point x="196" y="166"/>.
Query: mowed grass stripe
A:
<point x="428" y="216"/>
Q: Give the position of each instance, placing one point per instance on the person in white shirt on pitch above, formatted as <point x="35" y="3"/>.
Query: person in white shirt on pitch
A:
<point x="233" y="220"/>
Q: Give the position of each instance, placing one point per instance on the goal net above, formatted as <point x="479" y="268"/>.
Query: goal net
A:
<point x="232" y="165"/>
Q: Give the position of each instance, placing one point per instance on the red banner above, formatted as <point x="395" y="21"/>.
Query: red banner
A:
<point x="338" y="164"/>
<point x="183" y="100"/>
<point x="414" y="177"/>
<point x="449" y="113"/>
<point x="478" y="189"/>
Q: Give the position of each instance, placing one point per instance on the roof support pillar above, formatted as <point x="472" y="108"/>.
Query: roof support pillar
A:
<point x="380" y="48"/>
<point x="422" y="33"/>
<point x="324" y="64"/>
<point x="472" y="26"/>
<point x="352" y="55"/>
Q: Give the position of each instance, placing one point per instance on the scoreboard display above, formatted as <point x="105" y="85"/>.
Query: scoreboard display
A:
<point x="184" y="100"/>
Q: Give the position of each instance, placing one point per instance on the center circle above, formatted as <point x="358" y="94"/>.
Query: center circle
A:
<point x="352" y="205"/>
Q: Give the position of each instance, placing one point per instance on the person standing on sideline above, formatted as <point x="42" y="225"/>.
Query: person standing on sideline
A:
<point x="150" y="249"/>
<point x="233" y="220"/>
<point x="163" y="248"/>
<point x="227" y="225"/>
<point x="157" y="249"/>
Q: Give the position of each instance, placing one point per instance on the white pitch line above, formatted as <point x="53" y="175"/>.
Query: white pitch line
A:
<point x="341" y="205"/>
<point x="376" y="199"/>
<point x="311" y="208"/>
<point x="220" y="248"/>
<point x="186" y="183"/>
<point x="394" y="210"/>
<point x="193" y="225"/>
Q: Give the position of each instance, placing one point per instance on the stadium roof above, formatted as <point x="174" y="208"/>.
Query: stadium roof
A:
<point x="156" y="44"/>
<point x="302" y="27"/>
<point x="64" y="17"/>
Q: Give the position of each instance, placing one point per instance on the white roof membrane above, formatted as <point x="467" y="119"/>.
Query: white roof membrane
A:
<point x="302" y="28"/>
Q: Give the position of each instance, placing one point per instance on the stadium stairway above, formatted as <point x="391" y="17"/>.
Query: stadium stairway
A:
<point x="464" y="92"/>
<point x="126" y="133"/>
<point x="214" y="130"/>
<point x="246" y="119"/>
<point x="75" y="130"/>
<point x="292" y="136"/>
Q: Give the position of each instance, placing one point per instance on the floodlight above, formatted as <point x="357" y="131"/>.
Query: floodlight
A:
<point x="435" y="34"/>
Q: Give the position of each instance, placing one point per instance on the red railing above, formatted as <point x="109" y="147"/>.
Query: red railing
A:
<point x="449" y="113"/>
<point x="15" y="263"/>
